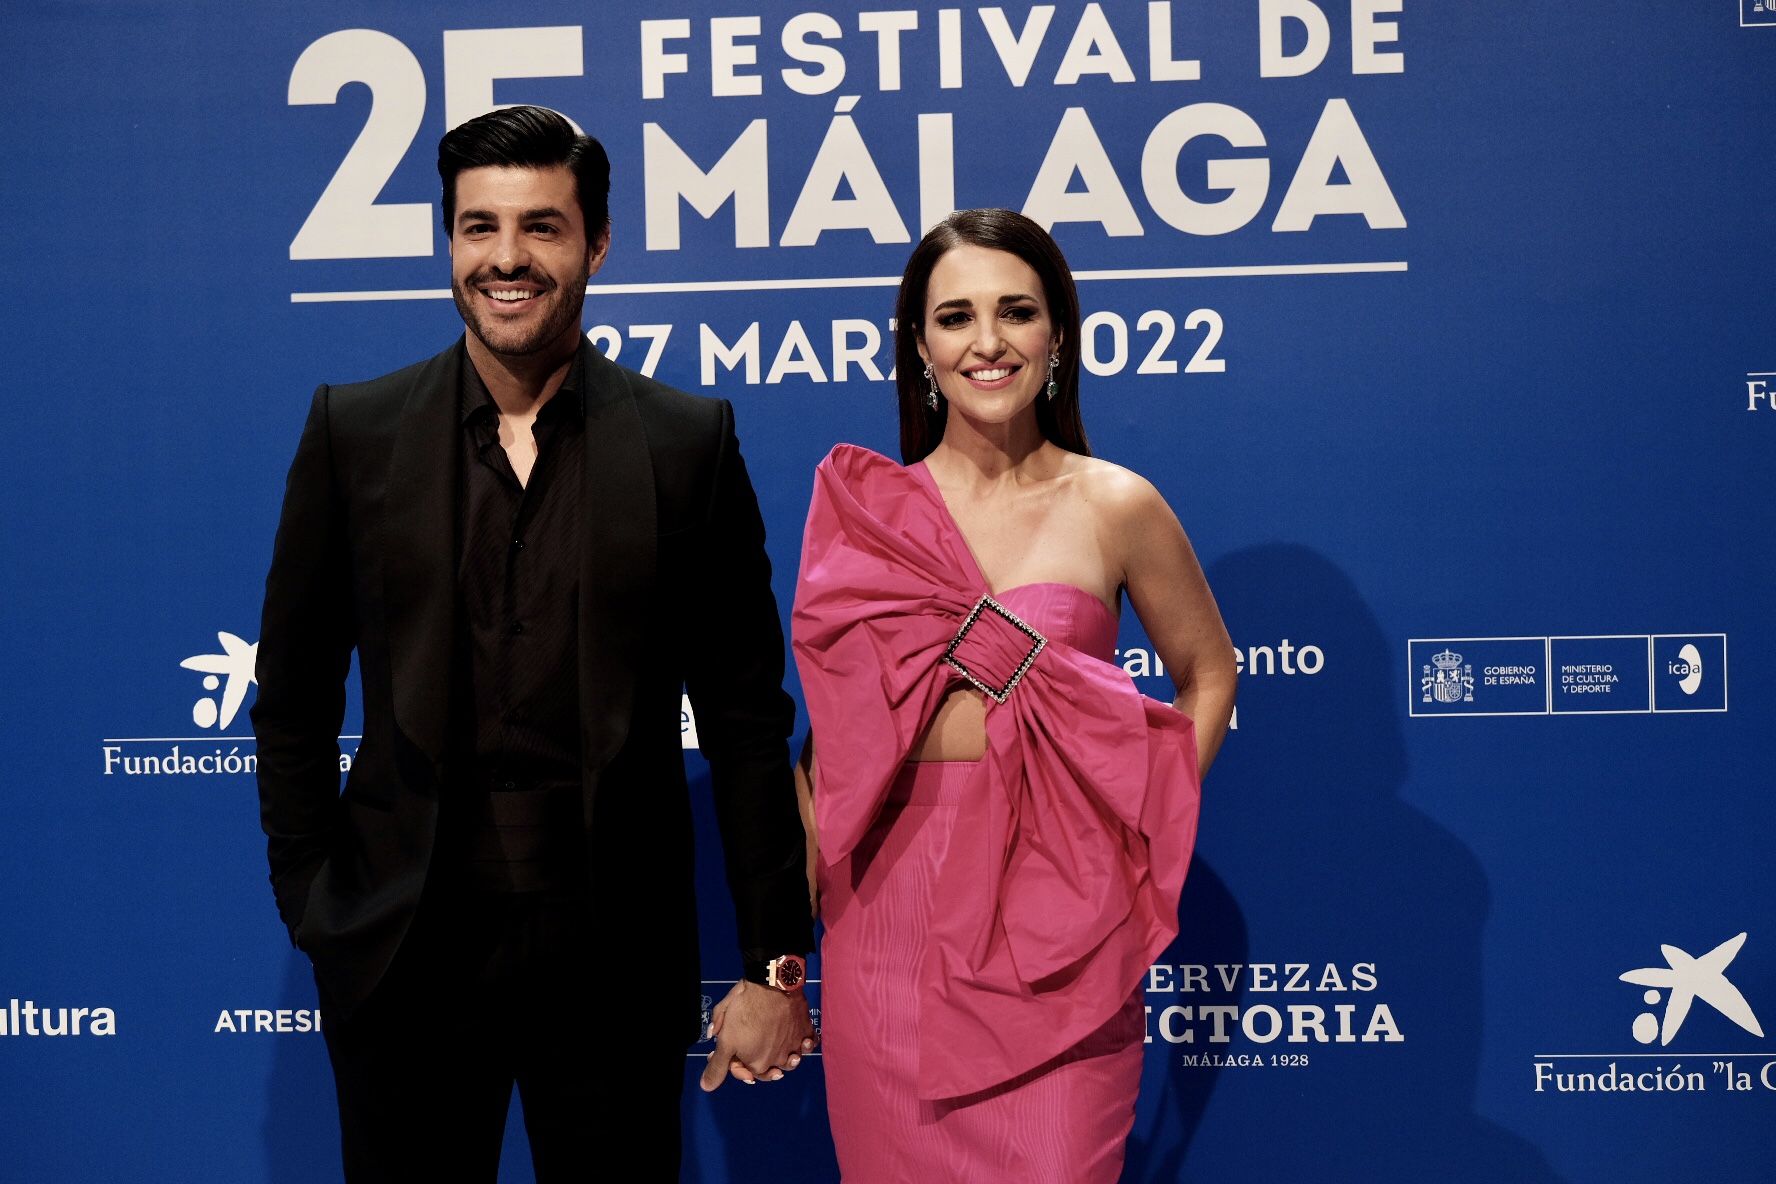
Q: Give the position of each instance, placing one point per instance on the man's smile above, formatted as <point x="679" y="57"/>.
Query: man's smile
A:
<point x="509" y="293"/>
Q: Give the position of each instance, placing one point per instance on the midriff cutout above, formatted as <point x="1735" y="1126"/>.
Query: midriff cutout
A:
<point x="958" y="730"/>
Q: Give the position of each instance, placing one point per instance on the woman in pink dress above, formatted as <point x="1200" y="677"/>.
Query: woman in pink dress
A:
<point x="1003" y="822"/>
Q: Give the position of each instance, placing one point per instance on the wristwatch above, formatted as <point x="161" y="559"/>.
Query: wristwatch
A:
<point x="785" y="973"/>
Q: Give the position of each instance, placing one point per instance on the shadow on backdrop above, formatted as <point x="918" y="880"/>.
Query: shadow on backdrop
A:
<point x="301" y="1123"/>
<point x="1326" y="863"/>
<point x="1211" y="932"/>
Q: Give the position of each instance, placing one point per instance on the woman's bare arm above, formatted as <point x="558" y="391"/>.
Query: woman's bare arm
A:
<point x="804" y="785"/>
<point x="1168" y="592"/>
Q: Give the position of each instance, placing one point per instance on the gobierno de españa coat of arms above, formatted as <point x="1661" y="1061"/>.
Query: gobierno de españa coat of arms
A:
<point x="1447" y="679"/>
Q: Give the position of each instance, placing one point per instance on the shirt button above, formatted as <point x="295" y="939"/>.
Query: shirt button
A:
<point x="517" y="544"/>
<point x="509" y="784"/>
<point x="517" y="627"/>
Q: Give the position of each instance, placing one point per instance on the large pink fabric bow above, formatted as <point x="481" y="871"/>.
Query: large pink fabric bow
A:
<point x="1062" y="877"/>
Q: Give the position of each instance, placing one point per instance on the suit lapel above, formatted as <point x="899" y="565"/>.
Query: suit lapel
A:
<point x="419" y="581"/>
<point x="616" y="562"/>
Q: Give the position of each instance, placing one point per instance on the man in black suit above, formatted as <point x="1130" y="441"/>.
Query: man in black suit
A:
<point x="533" y="551"/>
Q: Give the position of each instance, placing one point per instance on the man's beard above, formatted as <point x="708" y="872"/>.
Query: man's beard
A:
<point x="515" y="341"/>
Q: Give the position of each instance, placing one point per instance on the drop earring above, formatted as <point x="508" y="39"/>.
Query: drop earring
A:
<point x="931" y="395"/>
<point x="1054" y="388"/>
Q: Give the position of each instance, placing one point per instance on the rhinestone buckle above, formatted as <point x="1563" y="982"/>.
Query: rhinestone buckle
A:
<point x="1037" y="641"/>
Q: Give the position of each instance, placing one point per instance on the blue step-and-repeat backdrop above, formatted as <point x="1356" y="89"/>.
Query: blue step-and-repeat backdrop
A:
<point x="1449" y="330"/>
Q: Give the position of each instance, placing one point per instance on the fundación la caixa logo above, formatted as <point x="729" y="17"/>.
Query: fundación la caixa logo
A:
<point x="227" y="674"/>
<point x="1760" y="385"/>
<point x="1603" y="674"/>
<point x="224" y="677"/>
<point x="1683" y="986"/>
<point x="212" y="702"/>
<point x="232" y="671"/>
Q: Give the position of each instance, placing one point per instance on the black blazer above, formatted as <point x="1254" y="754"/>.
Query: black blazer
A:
<point x="674" y="594"/>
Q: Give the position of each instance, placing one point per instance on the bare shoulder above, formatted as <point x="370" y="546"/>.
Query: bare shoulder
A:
<point x="1120" y="498"/>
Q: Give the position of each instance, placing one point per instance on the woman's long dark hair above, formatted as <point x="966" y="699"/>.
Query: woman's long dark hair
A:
<point x="998" y="230"/>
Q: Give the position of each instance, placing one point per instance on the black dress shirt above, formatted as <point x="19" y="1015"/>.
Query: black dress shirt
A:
<point x="518" y="576"/>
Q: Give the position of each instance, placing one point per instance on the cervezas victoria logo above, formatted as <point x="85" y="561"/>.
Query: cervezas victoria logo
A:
<point x="1671" y="994"/>
<point x="1267" y="1015"/>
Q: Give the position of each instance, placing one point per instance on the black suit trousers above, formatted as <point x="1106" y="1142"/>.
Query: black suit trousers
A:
<point x="488" y="991"/>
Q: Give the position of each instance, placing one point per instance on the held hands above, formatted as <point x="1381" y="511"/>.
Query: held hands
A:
<point x="760" y="1034"/>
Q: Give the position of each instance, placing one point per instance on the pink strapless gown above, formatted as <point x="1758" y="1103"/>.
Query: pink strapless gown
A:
<point x="987" y="923"/>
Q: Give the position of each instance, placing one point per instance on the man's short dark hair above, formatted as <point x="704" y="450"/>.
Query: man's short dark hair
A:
<point x="528" y="137"/>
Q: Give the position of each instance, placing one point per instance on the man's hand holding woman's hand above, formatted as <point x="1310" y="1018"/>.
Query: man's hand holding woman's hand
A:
<point x="760" y="1034"/>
